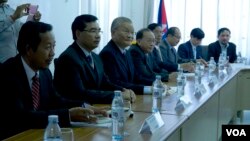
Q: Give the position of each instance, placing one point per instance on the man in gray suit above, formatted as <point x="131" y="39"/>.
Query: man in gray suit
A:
<point x="169" y="52"/>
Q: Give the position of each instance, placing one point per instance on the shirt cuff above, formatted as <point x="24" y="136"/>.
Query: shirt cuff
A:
<point x="147" y="90"/>
<point x="86" y="105"/>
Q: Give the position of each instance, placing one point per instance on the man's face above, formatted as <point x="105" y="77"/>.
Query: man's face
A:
<point x="44" y="54"/>
<point x="90" y="37"/>
<point x="3" y="1"/>
<point x="224" y="37"/>
<point x="147" y="42"/>
<point x="123" y="35"/>
<point x="174" y="39"/>
<point x="195" y="41"/>
<point x="158" y="34"/>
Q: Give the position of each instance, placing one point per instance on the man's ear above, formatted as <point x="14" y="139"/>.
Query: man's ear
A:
<point x="78" y="33"/>
<point x="29" y="50"/>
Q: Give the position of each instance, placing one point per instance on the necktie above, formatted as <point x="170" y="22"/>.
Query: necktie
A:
<point x="159" y="52"/>
<point x="174" y="55"/>
<point x="90" y="61"/>
<point x="35" y="92"/>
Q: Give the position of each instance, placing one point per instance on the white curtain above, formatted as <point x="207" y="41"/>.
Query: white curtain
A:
<point x="210" y="15"/>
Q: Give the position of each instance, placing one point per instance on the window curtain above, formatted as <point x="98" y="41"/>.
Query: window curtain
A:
<point x="210" y="15"/>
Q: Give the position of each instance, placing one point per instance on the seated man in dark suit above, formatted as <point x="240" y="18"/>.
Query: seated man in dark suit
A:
<point x="191" y="50"/>
<point x="157" y="55"/>
<point x="79" y="73"/>
<point x="168" y="51"/>
<point x="142" y="56"/>
<point x="118" y="64"/>
<point x="26" y="101"/>
<point x="222" y="46"/>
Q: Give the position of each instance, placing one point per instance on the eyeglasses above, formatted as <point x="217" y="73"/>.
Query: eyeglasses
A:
<point x="178" y="37"/>
<point x="129" y="33"/>
<point x="94" y="31"/>
<point x="149" y="41"/>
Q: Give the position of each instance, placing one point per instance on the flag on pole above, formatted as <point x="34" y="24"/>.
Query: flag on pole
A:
<point x="162" y="18"/>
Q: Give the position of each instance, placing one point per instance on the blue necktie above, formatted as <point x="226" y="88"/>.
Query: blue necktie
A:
<point x="90" y="61"/>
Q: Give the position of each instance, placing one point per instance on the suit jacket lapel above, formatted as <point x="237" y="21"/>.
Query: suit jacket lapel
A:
<point x="190" y="50"/>
<point x="97" y="71"/>
<point x="85" y="64"/>
<point x="22" y="79"/>
<point x="123" y="60"/>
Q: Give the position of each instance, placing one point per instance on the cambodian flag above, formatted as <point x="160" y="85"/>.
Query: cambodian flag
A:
<point x="162" y="18"/>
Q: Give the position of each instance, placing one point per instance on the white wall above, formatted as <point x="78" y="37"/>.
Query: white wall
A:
<point x="61" y="13"/>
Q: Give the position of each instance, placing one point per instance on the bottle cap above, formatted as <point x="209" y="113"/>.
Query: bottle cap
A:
<point x="53" y="118"/>
<point x="117" y="92"/>
<point x="158" y="77"/>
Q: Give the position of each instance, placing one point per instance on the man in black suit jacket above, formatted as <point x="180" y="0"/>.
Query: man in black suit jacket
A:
<point x="79" y="73"/>
<point x="19" y="112"/>
<point x="191" y="50"/>
<point x="142" y="56"/>
<point x="157" y="55"/>
<point x="222" y="45"/>
<point x="118" y="64"/>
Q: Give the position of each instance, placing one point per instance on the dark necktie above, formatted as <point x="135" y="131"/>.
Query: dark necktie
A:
<point x="35" y="91"/>
<point x="90" y="61"/>
<point x="174" y="55"/>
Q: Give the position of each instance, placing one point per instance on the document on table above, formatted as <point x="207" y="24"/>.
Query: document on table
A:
<point x="101" y="122"/>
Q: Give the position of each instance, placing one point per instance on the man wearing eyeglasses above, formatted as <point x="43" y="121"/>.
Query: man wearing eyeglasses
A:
<point x="117" y="60"/>
<point x="142" y="57"/>
<point x="169" y="54"/>
<point x="79" y="73"/>
<point x="157" y="55"/>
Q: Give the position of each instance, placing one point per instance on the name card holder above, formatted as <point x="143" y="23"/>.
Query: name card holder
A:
<point x="222" y="75"/>
<point x="152" y="123"/>
<point x="182" y="103"/>
<point x="229" y="69"/>
<point x="212" y="81"/>
<point x="199" y="91"/>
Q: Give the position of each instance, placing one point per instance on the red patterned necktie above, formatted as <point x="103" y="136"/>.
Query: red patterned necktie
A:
<point x="35" y="91"/>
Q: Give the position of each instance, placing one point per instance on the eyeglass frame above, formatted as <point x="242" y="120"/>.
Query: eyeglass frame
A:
<point x="93" y="31"/>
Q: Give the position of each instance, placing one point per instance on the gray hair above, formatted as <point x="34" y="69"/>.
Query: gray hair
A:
<point x="118" y="21"/>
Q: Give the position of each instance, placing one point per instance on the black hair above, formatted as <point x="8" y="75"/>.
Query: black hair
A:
<point x="152" y="26"/>
<point x="197" y="33"/>
<point x="171" y="31"/>
<point x="223" y="29"/>
<point x="80" y="23"/>
<point x="29" y="35"/>
<point x="139" y="34"/>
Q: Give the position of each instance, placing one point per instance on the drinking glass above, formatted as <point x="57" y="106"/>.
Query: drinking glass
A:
<point x="127" y="113"/>
<point x="67" y="134"/>
<point x="127" y="108"/>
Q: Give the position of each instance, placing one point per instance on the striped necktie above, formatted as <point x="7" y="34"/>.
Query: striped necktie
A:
<point x="35" y="91"/>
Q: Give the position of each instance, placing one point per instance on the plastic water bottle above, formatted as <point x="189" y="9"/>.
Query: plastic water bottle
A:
<point x="212" y="64"/>
<point x="53" y="130"/>
<point x="180" y="85"/>
<point x="239" y="57"/>
<point x="117" y="117"/>
<point x="197" y="73"/>
<point x="221" y="68"/>
<point x="158" y="90"/>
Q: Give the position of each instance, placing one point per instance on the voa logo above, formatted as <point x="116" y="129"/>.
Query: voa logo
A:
<point x="236" y="132"/>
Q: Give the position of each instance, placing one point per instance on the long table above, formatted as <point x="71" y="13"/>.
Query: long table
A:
<point x="200" y="120"/>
